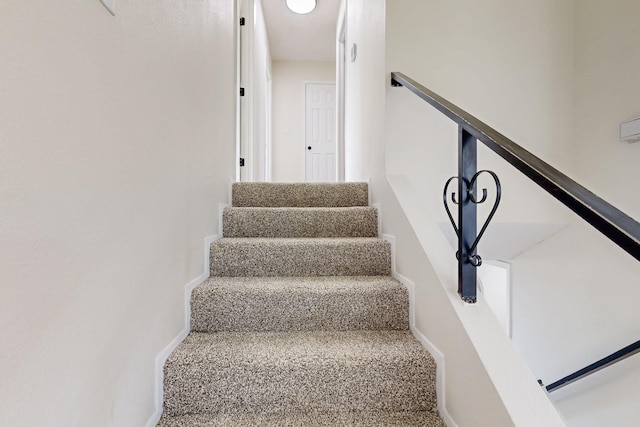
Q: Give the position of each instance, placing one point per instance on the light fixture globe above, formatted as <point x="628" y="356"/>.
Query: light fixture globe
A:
<point x="301" y="7"/>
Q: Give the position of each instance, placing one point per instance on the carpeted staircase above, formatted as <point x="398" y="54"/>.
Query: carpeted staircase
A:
<point x="300" y="323"/>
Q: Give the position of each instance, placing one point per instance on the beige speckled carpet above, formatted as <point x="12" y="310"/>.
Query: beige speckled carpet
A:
<point x="300" y="323"/>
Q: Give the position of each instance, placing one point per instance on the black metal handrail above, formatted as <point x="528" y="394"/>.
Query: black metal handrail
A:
<point x="609" y="220"/>
<point x="604" y="217"/>
<point x="618" y="356"/>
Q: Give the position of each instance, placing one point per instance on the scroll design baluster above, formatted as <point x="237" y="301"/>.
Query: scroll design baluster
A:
<point x="468" y="189"/>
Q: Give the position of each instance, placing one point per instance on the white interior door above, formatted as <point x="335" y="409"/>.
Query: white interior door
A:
<point x="320" y="132"/>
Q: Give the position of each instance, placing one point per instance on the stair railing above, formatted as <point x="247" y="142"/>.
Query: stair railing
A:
<point x="606" y="218"/>
<point x="620" y="228"/>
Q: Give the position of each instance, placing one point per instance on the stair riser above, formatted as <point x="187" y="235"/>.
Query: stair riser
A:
<point x="278" y="222"/>
<point x="260" y="194"/>
<point x="327" y="258"/>
<point x="382" y="386"/>
<point x="368" y="306"/>
<point x="351" y="419"/>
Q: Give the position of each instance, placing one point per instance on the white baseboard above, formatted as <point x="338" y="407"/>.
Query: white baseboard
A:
<point x="428" y="345"/>
<point x="164" y="354"/>
<point x="221" y="207"/>
<point x="378" y="207"/>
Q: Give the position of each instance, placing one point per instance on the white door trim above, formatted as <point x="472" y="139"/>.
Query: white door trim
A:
<point x="246" y="81"/>
<point x="268" y="126"/>
<point x="341" y="38"/>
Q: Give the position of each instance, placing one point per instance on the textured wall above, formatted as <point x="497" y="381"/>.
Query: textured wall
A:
<point x="116" y="148"/>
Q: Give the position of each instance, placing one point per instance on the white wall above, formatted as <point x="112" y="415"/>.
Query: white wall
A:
<point x="288" y="143"/>
<point x="557" y="77"/>
<point x="511" y="65"/>
<point x="364" y="97"/>
<point x="586" y="285"/>
<point x="574" y="302"/>
<point x="260" y="90"/>
<point x="469" y="398"/>
<point x="607" y="93"/>
<point x="117" y="146"/>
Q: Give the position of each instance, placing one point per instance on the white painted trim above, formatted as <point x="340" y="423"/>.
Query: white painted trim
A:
<point x="317" y="82"/>
<point x="268" y="164"/>
<point x="237" y="13"/>
<point x="230" y="199"/>
<point x="428" y="345"/>
<point x="340" y="86"/>
<point x="162" y="357"/>
<point x="378" y="207"/>
<point x="221" y="208"/>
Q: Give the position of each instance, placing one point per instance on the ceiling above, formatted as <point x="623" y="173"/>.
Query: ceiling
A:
<point x="310" y="37"/>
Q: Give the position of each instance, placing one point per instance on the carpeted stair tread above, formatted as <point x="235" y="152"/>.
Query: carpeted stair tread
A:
<point x="299" y="304"/>
<point x="275" y="194"/>
<point x="300" y="323"/>
<point x="300" y="257"/>
<point x="320" y="371"/>
<point x="300" y="222"/>
<point x="352" y="419"/>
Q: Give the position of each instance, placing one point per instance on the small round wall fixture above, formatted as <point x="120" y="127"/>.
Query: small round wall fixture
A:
<point x="301" y="7"/>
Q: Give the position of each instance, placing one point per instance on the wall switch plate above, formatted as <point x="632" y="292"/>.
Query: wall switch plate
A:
<point x="110" y="5"/>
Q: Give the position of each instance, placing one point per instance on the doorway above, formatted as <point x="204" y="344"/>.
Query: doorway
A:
<point x="320" y="132"/>
<point x="274" y="71"/>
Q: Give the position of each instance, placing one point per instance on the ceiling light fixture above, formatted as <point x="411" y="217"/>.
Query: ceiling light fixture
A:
<point x="301" y="7"/>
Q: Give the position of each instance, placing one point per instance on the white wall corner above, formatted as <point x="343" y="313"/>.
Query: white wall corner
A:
<point x="230" y="199"/>
<point x="110" y="5"/>
<point x="428" y="345"/>
<point x="162" y="357"/>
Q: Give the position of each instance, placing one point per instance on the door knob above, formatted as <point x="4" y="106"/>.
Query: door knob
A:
<point x="309" y="148"/>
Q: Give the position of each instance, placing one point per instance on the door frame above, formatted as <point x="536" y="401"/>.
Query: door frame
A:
<point x="304" y="120"/>
<point x="268" y="125"/>
<point x="341" y="77"/>
<point x="245" y="113"/>
<point x="238" y="83"/>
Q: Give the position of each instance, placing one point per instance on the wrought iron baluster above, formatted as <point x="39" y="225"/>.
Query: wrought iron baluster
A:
<point x="466" y="200"/>
<point x="467" y="215"/>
